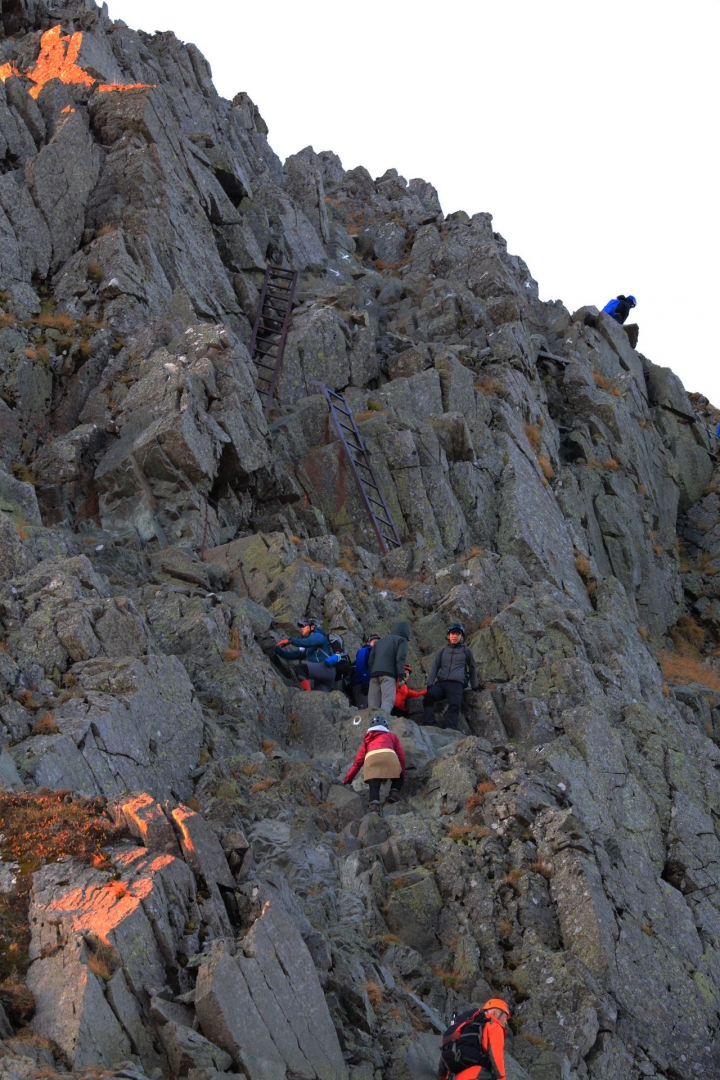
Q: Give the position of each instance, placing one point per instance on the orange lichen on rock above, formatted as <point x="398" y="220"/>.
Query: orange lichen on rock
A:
<point x="6" y="70"/>
<point x="58" y="60"/>
<point x="106" y="88"/>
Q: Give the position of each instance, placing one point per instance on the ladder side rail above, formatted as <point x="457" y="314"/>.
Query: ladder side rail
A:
<point x="359" y="480"/>
<point x="281" y="344"/>
<point x="375" y="484"/>
<point x="258" y="313"/>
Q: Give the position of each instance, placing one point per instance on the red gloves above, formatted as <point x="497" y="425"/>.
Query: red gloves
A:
<point x="285" y="641"/>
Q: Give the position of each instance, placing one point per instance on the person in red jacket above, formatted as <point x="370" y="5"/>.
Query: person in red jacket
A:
<point x="383" y="758"/>
<point x="491" y="1057"/>
<point x="403" y="692"/>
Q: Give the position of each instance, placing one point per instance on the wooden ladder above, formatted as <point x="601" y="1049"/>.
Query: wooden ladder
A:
<point x="269" y="335"/>
<point x="357" y="455"/>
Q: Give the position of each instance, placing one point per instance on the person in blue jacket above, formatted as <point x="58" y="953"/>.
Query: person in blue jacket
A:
<point x="619" y="308"/>
<point x="361" y="676"/>
<point x="314" y="651"/>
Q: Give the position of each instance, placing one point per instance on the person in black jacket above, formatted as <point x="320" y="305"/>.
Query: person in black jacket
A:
<point x="452" y="670"/>
<point x="619" y="308"/>
<point x="387" y="665"/>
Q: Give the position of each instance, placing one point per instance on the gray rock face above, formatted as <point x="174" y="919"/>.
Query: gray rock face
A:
<point x="266" y="1006"/>
<point x="158" y="538"/>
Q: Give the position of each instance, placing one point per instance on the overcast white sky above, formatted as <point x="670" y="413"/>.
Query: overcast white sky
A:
<point x="589" y="130"/>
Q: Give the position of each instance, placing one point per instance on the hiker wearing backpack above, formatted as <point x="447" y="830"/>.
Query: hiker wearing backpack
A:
<point x="361" y="675"/>
<point x="403" y="692"/>
<point x="315" y="652"/>
<point x="452" y="670"/>
<point x="387" y="665"/>
<point x="383" y="758"/>
<point x="473" y="1047"/>
<point x="619" y="308"/>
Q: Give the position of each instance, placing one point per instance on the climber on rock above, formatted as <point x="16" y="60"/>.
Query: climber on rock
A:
<point x="382" y="755"/>
<point x="315" y="653"/>
<point x="387" y="665"/>
<point x="361" y="675"/>
<point x="473" y="1047"/>
<point x="453" y="669"/>
<point x="403" y="692"/>
<point x="619" y="308"/>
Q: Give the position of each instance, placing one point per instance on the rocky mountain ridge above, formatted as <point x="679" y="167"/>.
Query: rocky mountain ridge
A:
<point x="553" y="489"/>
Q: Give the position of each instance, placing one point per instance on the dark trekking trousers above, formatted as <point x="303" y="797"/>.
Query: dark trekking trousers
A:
<point x="374" y="787"/>
<point x="323" y="677"/>
<point x="452" y="692"/>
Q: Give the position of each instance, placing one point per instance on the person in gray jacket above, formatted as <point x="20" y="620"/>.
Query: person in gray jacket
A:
<point x="387" y="665"/>
<point x="453" y="669"/>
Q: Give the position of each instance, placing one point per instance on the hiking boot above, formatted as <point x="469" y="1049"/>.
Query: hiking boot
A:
<point x="374" y="808"/>
<point x="394" y="796"/>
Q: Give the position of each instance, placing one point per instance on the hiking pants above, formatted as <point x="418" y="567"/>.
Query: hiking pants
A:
<point x="323" y="677"/>
<point x="381" y="693"/>
<point x="452" y="692"/>
<point x="360" y="695"/>
<point x="374" y="787"/>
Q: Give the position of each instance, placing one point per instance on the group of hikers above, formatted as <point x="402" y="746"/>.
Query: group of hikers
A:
<point x="473" y="1046"/>
<point x="378" y="678"/>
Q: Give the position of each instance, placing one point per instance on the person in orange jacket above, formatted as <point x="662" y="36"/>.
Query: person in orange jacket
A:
<point x="486" y="1026"/>
<point x="383" y="757"/>
<point x="403" y="692"/>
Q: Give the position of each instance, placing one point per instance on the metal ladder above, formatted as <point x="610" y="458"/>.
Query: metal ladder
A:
<point x="357" y="455"/>
<point x="272" y="321"/>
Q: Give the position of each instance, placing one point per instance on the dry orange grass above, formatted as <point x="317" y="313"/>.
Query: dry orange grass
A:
<point x="262" y="785"/>
<point x="603" y="383"/>
<point x="234" y="651"/>
<point x="611" y="464"/>
<point x="486" y="621"/>
<point x="45" y="725"/>
<point x="474" y="801"/>
<point x="55" y="322"/>
<point x="485" y="787"/>
<point x="534" y="437"/>
<point x="489" y="386"/>
<point x="375" y="994"/>
<point x="548" y="471"/>
<point x="545" y="869"/>
<point x="582" y="565"/>
<point x="6" y="320"/>
<point x="687" y="669"/>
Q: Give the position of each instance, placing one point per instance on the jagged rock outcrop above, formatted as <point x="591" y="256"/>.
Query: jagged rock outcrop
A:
<point x="553" y="488"/>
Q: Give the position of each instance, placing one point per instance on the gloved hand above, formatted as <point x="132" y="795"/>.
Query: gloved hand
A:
<point x="346" y="783"/>
<point x="279" y="644"/>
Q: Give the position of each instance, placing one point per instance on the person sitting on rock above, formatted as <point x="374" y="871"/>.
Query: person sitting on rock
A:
<point x="453" y="669"/>
<point x="473" y="1047"/>
<point x="313" y="650"/>
<point x="382" y="755"/>
<point x="619" y="308"/>
<point x="361" y="675"/>
<point x="387" y="665"/>
<point x="403" y="692"/>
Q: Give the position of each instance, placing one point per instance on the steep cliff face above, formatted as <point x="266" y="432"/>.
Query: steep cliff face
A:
<point x="553" y="489"/>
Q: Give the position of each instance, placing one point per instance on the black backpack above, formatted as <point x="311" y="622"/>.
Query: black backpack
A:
<point x="337" y="645"/>
<point x="461" y="1043"/>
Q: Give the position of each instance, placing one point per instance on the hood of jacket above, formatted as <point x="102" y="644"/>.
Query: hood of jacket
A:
<point x="402" y="629"/>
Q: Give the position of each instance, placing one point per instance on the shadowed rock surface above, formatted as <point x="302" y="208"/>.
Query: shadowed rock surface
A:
<point x="554" y="490"/>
